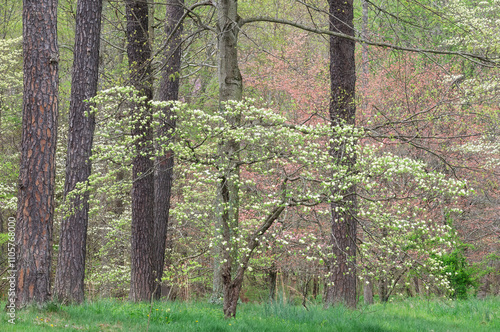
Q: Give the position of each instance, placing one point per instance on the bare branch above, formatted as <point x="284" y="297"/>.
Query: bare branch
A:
<point x="484" y="60"/>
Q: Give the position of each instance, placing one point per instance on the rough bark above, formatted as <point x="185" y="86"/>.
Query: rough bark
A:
<point x="230" y="88"/>
<point x="169" y="90"/>
<point x="342" y="279"/>
<point x="70" y="273"/>
<point x="139" y="54"/>
<point x="38" y="148"/>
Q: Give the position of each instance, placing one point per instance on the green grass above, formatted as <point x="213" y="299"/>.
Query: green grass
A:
<point x="404" y="315"/>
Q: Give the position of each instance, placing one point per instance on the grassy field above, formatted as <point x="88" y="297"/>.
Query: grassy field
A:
<point x="405" y="315"/>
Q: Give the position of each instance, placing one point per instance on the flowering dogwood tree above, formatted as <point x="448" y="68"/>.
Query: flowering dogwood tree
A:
<point x="287" y="170"/>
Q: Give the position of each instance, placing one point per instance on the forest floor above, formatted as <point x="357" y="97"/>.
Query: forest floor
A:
<point x="403" y="315"/>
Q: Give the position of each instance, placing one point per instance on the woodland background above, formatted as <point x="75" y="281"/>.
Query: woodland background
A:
<point x="422" y="157"/>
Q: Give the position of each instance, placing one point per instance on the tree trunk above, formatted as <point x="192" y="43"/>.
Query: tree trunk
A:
<point x="383" y="291"/>
<point x="342" y="287"/>
<point x="273" y="274"/>
<point x="139" y="54"/>
<point x="70" y="273"/>
<point x="305" y="289"/>
<point x="230" y="88"/>
<point x="232" y="286"/>
<point x="35" y="209"/>
<point x="169" y="90"/>
<point x="368" y="286"/>
<point x="230" y="80"/>
<point x="232" y="290"/>
<point x="383" y="284"/>
<point x="364" y="49"/>
<point x="417" y="286"/>
<point x="217" y="288"/>
<point x="315" y="289"/>
<point x="368" y="291"/>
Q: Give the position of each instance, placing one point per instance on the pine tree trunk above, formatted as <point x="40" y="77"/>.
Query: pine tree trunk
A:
<point x="139" y="54"/>
<point x="169" y="90"/>
<point x="70" y="273"/>
<point x="342" y="288"/>
<point x="35" y="209"/>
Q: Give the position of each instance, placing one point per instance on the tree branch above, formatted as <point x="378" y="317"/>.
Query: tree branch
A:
<point x="485" y="61"/>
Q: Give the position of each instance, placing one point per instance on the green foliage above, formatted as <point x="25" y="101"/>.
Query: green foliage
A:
<point x="10" y="65"/>
<point x="459" y="273"/>
<point x="402" y="235"/>
<point x="407" y="22"/>
<point x="9" y="171"/>
<point x="399" y="196"/>
<point x="407" y="315"/>
<point x="4" y="238"/>
<point x="281" y="164"/>
<point x="108" y="261"/>
<point x="475" y="25"/>
<point x="11" y="83"/>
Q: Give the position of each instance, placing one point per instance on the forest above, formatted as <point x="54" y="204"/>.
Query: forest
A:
<point x="304" y="152"/>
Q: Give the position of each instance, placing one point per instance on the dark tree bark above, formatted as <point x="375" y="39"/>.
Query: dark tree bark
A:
<point x="139" y="54"/>
<point x="35" y="209"/>
<point x="70" y="273"/>
<point x="342" y="288"/>
<point x="169" y="90"/>
<point x="315" y="287"/>
<point x="273" y="274"/>
<point x="383" y="284"/>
